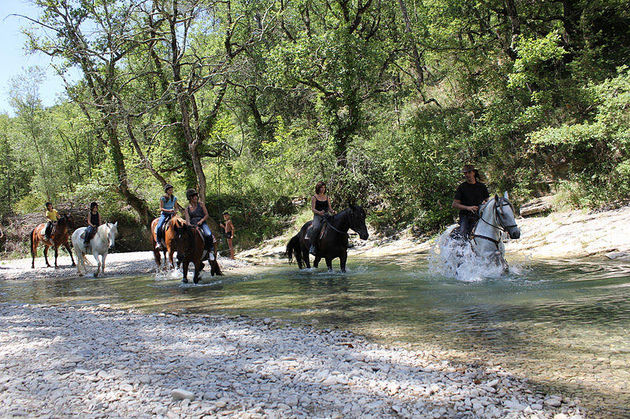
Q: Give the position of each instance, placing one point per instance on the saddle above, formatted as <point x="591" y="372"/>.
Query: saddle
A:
<point x="90" y="237"/>
<point x="322" y="232"/>
<point x="161" y="233"/>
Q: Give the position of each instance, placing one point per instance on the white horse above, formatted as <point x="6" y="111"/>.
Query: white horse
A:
<point x="100" y="244"/>
<point x="485" y="249"/>
<point x="496" y="216"/>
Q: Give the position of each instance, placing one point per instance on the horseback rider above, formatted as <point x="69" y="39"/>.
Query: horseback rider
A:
<point x="93" y="220"/>
<point x="196" y="216"/>
<point x="469" y="195"/>
<point x="168" y="203"/>
<point x="320" y="205"/>
<point x="52" y="216"/>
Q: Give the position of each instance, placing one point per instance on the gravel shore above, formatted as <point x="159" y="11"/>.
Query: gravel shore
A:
<point x="96" y="361"/>
<point x="119" y="264"/>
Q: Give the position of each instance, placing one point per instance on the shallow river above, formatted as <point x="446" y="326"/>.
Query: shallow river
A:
<point x="564" y="324"/>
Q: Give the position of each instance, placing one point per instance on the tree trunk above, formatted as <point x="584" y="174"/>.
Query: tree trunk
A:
<point x="137" y="203"/>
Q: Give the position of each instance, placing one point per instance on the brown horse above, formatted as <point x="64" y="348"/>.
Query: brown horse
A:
<point x="58" y="237"/>
<point x="190" y="247"/>
<point x="169" y="235"/>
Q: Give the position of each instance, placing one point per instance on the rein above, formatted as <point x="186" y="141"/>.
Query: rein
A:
<point x="499" y="227"/>
<point x="335" y="228"/>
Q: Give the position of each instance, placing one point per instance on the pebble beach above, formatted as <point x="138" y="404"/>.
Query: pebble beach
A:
<point x="58" y="361"/>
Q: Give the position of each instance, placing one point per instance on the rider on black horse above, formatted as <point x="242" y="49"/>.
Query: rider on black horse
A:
<point x="468" y="197"/>
<point x="320" y="205"/>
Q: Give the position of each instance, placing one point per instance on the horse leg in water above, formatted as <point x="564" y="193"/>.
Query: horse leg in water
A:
<point x="46" y="255"/>
<point x="56" y="255"/>
<point x="103" y="256"/>
<point x="342" y="261"/>
<point x="185" y="263"/>
<point x="306" y="256"/>
<point x="329" y="264"/>
<point x="198" y="268"/>
<point x="66" y="246"/>
<point x="316" y="261"/>
<point x="98" y="262"/>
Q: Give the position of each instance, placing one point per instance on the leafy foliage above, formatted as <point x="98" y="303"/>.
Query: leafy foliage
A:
<point x="384" y="101"/>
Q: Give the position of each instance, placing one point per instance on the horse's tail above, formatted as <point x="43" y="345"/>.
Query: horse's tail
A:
<point x="31" y="238"/>
<point x="294" y="247"/>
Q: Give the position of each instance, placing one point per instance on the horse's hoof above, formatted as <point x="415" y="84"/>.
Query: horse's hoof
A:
<point x="95" y="274"/>
<point x="184" y="281"/>
<point x="74" y="265"/>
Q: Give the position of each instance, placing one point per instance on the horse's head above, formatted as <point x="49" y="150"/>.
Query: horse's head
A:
<point x="65" y="220"/>
<point x="113" y="232"/>
<point x="505" y="215"/>
<point x="357" y="221"/>
<point x="182" y="237"/>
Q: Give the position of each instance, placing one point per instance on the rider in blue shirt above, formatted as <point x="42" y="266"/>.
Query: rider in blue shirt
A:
<point x="167" y="209"/>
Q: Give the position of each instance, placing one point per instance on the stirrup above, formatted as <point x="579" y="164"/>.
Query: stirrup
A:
<point x="312" y="250"/>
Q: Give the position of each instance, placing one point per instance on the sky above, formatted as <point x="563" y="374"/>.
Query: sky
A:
<point x="15" y="57"/>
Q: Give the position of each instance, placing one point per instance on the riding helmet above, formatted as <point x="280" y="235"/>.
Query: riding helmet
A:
<point x="190" y="193"/>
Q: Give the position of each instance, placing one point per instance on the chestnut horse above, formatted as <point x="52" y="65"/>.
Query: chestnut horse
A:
<point x="58" y="237"/>
<point x="190" y="247"/>
<point x="169" y="234"/>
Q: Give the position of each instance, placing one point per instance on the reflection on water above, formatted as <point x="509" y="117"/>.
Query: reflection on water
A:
<point x="560" y="323"/>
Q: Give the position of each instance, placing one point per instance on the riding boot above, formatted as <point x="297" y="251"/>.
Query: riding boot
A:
<point x="158" y="239"/>
<point x="313" y="250"/>
<point x="209" y="247"/>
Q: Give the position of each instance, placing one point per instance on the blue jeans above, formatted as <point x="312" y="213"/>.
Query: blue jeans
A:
<point x="89" y="230"/>
<point x="207" y="235"/>
<point x="163" y="218"/>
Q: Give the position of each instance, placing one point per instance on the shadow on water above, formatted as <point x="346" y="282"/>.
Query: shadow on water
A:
<point x="560" y="323"/>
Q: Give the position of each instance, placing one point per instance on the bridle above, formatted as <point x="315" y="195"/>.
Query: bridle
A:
<point x="351" y="218"/>
<point x="500" y="202"/>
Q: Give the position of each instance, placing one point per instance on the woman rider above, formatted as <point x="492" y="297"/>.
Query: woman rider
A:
<point x="167" y="208"/>
<point x="320" y="205"/>
<point x="196" y="215"/>
<point x="93" y="220"/>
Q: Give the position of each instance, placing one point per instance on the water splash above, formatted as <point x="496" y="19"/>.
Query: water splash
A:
<point x="454" y="258"/>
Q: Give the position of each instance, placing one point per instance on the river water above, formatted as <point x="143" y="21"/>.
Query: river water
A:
<point x="563" y="324"/>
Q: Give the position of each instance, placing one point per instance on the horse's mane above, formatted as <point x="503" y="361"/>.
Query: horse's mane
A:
<point x="177" y="220"/>
<point x="483" y="207"/>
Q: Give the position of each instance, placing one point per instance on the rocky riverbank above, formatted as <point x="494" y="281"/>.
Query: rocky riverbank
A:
<point x="569" y="234"/>
<point x="95" y="361"/>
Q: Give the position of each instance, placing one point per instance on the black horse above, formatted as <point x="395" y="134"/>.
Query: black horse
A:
<point x="333" y="240"/>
